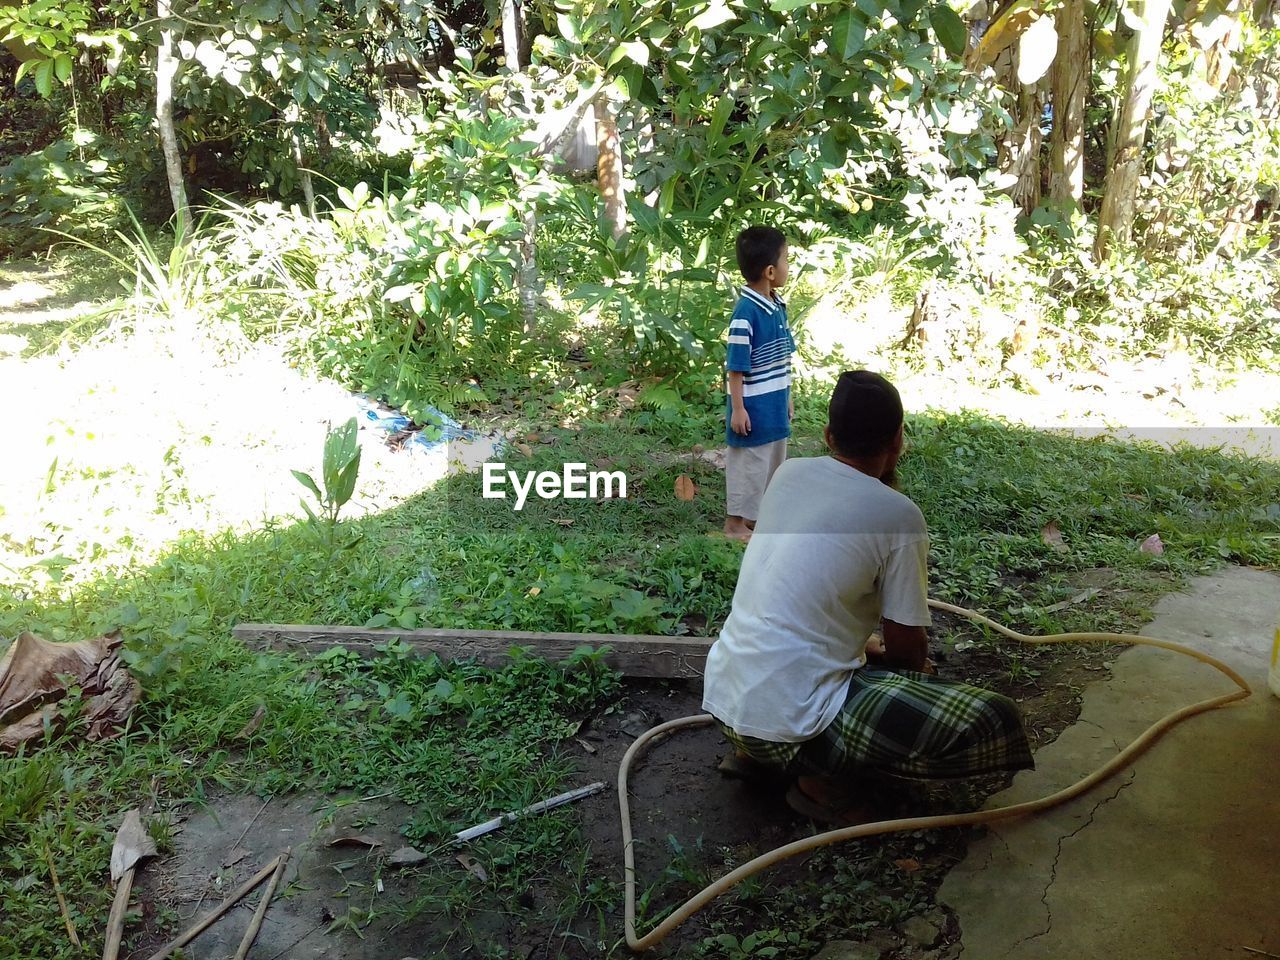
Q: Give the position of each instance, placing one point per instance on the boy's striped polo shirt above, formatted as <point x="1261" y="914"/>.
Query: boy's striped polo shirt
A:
<point x="760" y="347"/>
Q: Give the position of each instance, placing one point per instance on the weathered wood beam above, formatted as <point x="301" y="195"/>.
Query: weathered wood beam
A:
<point x="631" y="655"/>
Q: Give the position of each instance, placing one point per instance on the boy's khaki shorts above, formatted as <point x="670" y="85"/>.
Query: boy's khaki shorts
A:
<point x="748" y="471"/>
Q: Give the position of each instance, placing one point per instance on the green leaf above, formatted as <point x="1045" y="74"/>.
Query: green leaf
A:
<point x="637" y="51"/>
<point x="62" y="67"/>
<point x="715" y="14"/>
<point x="44" y="78"/>
<point x="346" y="485"/>
<point x="715" y="130"/>
<point x="311" y="514"/>
<point x="567" y="26"/>
<point x="951" y="31"/>
<point x="306" y="481"/>
<point x="833" y="152"/>
<point x="849" y="34"/>
<point x="786" y="6"/>
<point x="399" y="706"/>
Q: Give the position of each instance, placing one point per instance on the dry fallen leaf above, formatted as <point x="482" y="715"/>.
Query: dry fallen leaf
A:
<point x="1078" y="598"/>
<point x="907" y="865"/>
<point x="525" y="449"/>
<point x="406" y="857"/>
<point x="472" y="865"/>
<point x="250" y="728"/>
<point x="358" y="840"/>
<point x="686" y="489"/>
<point x="534" y="591"/>
<point x="35" y="674"/>
<point x="132" y="844"/>
<point x="235" y="856"/>
<point x="1051" y="534"/>
<point x="1153" y="545"/>
<point x="586" y="746"/>
<point x="562" y="521"/>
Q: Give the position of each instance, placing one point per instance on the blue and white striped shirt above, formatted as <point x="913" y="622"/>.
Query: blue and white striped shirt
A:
<point x="760" y="347"/>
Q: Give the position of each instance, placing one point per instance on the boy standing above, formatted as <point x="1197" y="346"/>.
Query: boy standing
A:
<point x="759" y="375"/>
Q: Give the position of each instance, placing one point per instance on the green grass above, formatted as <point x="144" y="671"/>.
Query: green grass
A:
<point x="474" y="739"/>
<point x="74" y="285"/>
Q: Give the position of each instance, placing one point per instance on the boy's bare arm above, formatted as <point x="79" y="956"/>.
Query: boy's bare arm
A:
<point x="739" y="421"/>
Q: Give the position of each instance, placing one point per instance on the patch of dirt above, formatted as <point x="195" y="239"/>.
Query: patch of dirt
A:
<point x="220" y="846"/>
<point x="691" y="825"/>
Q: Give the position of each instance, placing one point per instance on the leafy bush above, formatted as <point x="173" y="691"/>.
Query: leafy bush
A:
<point x="70" y="185"/>
<point x="1214" y="305"/>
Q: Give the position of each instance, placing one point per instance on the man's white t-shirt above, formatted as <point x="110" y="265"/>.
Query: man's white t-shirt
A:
<point x="834" y="550"/>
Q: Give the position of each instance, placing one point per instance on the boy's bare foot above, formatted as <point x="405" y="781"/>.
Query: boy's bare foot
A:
<point x="735" y="528"/>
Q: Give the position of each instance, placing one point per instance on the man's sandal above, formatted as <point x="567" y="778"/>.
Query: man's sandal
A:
<point x="739" y="766"/>
<point x="846" y="813"/>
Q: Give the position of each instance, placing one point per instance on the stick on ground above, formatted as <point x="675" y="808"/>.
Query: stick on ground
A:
<point x="258" y="915"/>
<point x="205" y="922"/>
<point x="115" y="921"/>
<point x="62" y="901"/>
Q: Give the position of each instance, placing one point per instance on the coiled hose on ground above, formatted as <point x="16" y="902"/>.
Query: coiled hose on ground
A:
<point x="729" y="880"/>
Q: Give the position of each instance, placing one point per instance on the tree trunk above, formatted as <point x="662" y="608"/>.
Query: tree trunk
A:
<point x="527" y="277"/>
<point x="609" y="167"/>
<point x="1025" y="155"/>
<point x="1115" y="222"/>
<point x="166" y="71"/>
<point x="1070" y="88"/>
<point x="293" y="116"/>
<point x="511" y="35"/>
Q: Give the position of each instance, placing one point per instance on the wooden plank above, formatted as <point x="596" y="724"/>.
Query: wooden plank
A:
<point x="631" y="655"/>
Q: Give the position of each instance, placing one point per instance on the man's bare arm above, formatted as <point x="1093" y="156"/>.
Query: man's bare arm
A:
<point x="905" y="648"/>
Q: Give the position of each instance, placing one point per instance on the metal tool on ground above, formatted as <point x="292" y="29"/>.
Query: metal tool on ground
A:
<point x="479" y="830"/>
<point x="732" y="879"/>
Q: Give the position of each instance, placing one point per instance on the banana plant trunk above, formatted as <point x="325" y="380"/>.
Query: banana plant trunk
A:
<point x="1119" y="200"/>
<point x="166" y="70"/>
<point x="511" y="35"/>
<point x="1070" y="86"/>
<point x="609" y="168"/>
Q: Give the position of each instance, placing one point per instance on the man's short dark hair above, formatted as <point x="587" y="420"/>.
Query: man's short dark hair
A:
<point x="758" y="249"/>
<point x="864" y="415"/>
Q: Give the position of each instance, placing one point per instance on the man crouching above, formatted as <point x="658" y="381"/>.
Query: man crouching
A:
<point x="837" y="553"/>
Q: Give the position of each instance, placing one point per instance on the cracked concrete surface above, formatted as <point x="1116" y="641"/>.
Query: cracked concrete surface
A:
<point x="1179" y="857"/>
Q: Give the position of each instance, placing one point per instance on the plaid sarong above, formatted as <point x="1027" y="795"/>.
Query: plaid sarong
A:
<point x="908" y="724"/>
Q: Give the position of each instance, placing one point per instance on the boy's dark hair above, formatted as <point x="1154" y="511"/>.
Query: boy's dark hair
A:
<point x="864" y="415"/>
<point x="758" y="249"/>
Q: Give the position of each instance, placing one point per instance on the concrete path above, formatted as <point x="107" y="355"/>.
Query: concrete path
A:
<point x="1177" y="859"/>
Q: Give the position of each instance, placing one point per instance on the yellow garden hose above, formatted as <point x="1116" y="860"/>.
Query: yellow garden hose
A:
<point x="729" y="880"/>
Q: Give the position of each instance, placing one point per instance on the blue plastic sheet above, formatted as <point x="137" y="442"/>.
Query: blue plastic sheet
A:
<point x="444" y="429"/>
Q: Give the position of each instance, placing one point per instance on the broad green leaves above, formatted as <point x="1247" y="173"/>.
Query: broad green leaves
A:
<point x="48" y="32"/>
<point x="849" y="34"/>
<point x="950" y="29"/>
